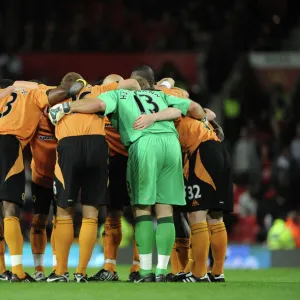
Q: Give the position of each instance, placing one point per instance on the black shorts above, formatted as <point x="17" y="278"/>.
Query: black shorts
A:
<point x="12" y="175"/>
<point x="82" y="164"/>
<point x="210" y="185"/>
<point x="42" y="199"/>
<point x="117" y="191"/>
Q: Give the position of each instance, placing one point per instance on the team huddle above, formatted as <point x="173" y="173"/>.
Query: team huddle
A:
<point x="121" y="142"/>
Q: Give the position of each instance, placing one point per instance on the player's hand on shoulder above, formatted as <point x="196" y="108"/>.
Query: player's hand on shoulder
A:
<point x="210" y="115"/>
<point x="58" y="111"/>
<point x="171" y="81"/>
<point x="144" y="121"/>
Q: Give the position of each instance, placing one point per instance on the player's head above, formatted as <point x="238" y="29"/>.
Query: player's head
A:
<point x="145" y="72"/>
<point x="70" y="77"/>
<point x="144" y="84"/>
<point x="4" y="83"/>
<point x="112" y="78"/>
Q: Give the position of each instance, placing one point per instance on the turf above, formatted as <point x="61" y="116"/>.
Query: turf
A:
<point x="270" y="284"/>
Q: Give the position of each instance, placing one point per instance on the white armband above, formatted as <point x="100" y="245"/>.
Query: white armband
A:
<point x="166" y="84"/>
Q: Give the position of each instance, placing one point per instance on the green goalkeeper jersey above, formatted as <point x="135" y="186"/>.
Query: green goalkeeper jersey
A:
<point x="125" y="106"/>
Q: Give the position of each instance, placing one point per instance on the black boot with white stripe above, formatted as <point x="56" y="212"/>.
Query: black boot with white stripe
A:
<point x="189" y="277"/>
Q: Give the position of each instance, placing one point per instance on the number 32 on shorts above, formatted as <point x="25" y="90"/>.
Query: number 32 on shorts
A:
<point x="192" y="192"/>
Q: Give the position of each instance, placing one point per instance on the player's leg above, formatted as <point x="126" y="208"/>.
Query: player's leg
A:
<point x="141" y="180"/>
<point x="66" y="187"/>
<point x="12" y="185"/>
<point x="179" y="256"/>
<point x="112" y="233"/>
<point x="93" y="196"/>
<point x="218" y="239"/>
<point x="198" y="196"/>
<point x="170" y="191"/>
<point x="145" y="239"/>
<point x="218" y="236"/>
<point x="5" y="275"/>
<point x="42" y="198"/>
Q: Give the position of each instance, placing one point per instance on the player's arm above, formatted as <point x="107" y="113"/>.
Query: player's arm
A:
<point x="187" y="107"/>
<point x="5" y="92"/>
<point x="106" y="105"/>
<point x="168" y="114"/>
<point x="64" y="92"/>
<point x="26" y="84"/>
<point x="218" y="129"/>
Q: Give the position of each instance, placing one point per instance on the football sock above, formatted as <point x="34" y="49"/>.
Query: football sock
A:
<point x="54" y="262"/>
<point x="14" y="240"/>
<point x="112" y="237"/>
<point x="145" y="238"/>
<point x="64" y="234"/>
<point x="200" y="246"/>
<point x="2" y="251"/>
<point x="191" y="261"/>
<point x="87" y="241"/>
<point x="182" y="249"/>
<point x="136" y="258"/>
<point x="38" y="241"/>
<point x="174" y="260"/>
<point x="218" y="241"/>
<point x="165" y="238"/>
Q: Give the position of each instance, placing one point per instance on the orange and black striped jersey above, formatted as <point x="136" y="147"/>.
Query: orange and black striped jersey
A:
<point x="113" y="139"/>
<point x="43" y="148"/>
<point x="20" y="113"/>
<point x="84" y="124"/>
<point x="192" y="133"/>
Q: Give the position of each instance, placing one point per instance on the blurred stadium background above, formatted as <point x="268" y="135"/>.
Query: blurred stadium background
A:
<point x="240" y="58"/>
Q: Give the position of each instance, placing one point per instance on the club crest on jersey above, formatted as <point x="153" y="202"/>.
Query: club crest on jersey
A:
<point x="47" y="138"/>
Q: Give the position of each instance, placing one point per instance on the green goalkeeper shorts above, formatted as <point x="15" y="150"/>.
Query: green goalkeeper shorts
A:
<point x="154" y="171"/>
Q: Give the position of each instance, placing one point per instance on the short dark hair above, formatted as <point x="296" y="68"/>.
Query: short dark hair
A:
<point x="146" y="72"/>
<point x="4" y="83"/>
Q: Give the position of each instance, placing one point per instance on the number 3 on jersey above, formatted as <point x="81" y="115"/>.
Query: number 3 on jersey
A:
<point x="9" y="105"/>
<point x="149" y="100"/>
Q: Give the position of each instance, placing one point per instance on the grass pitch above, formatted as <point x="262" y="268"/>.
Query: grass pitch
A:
<point x="268" y="284"/>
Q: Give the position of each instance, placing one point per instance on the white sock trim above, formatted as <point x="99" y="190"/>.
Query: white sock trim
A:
<point x="162" y="262"/>
<point x="146" y="261"/>
<point x="135" y="262"/>
<point x="38" y="260"/>
<point x="54" y="261"/>
<point x="16" y="260"/>
<point x="111" y="261"/>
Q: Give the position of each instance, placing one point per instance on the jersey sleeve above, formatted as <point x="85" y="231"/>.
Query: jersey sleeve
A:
<point x="111" y="100"/>
<point x="108" y="87"/>
<point x="180" y="103"/>
<point x="40" y="97"/>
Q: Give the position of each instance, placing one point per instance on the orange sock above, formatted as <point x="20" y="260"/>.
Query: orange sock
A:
<point x="38" y="241"/>
<point x="64" y="234"/>
<point x="112" y="236"/>
<point x="87" y="241"/>
<point x="191" y="261"/>
<point x="14" y="240"/>
<point x="54" y="263"/>
<point x="174" y="260"/>
<point x="200" y="244"/>
<point x="182" y="249"/>
<point x="218" y="247"/>
<point x="2" y="251"/>
<point x="135" y="267"/>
